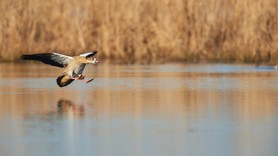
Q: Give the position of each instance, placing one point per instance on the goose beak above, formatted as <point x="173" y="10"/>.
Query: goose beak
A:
<point x="92" y="60"/>
<point x="95" y="61"/>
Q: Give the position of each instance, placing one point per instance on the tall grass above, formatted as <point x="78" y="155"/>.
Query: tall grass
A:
<point x="142" y="31"/>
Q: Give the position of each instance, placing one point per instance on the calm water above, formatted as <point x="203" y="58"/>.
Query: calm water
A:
<point x="140" y="110"/>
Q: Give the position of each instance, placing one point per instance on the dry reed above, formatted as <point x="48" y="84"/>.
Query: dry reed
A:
<point x="143" y="31"/>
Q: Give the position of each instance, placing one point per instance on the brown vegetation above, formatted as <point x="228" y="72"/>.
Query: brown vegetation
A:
<point x="143" y="31"/>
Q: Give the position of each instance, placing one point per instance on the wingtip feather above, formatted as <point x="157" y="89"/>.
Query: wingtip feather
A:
<point x="92" y="54"/>
<point x="24" y="57"/>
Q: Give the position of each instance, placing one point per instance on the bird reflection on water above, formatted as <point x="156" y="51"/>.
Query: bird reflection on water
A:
<point x="68" y="106"/>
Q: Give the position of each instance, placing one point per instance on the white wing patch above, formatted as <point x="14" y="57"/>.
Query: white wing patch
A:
<point x="61" y="59"/>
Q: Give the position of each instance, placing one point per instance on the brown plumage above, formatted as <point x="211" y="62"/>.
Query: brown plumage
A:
<point x="74" y="66"/>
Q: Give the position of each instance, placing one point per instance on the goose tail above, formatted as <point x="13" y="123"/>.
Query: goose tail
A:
<point x="63" y="81"/>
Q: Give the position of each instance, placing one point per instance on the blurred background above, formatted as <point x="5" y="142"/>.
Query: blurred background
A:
<point x="150" y="31"/>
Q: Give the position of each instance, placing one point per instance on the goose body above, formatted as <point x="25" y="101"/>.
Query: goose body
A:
<point x="74" y="66"/>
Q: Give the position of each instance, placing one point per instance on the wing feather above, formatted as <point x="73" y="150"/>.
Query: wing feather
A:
<point x="54" y="59"/>
<point x="89" y="54"/>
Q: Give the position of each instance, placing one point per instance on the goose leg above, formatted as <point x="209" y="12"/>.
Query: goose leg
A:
<point x="79" y="77"/>
<point x="85" y="81"/>
<point x="75" y="78"/>
<point x="90" y="80"/>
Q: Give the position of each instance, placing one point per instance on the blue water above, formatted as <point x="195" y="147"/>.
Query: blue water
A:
<point x="200" y="110"/>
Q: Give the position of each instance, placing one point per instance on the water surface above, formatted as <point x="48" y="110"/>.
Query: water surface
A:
<point x="200" y="110"/>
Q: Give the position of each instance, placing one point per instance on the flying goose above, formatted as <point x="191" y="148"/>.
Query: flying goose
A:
<point x="74" y="66"/>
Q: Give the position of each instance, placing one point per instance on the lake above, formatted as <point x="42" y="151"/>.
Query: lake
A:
<point x="140" y="110"/>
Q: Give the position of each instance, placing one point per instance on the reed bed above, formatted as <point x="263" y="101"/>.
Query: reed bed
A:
<point x="143" y="31"/>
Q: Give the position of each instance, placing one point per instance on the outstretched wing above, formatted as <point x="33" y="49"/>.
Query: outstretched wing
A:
<point x="89" y="54"/>
<point x="54" y="59"/>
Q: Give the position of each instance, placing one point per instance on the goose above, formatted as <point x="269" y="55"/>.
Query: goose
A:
<point x="73" y="65"/>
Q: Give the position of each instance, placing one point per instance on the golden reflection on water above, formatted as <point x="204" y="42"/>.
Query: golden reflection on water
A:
<point x="145" y="92"/>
